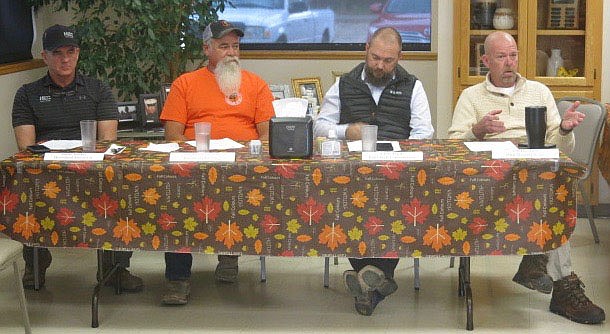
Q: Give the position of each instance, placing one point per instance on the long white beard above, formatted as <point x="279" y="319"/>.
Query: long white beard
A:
<point x="228" y="76"/>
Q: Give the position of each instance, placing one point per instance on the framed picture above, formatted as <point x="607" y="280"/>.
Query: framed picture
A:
<point x="280" y="91"/>
<point x="128" y="111"/>
<point x="150" y="109"/>
<point x="308" y="88"/>
<point x="164" y="92"/>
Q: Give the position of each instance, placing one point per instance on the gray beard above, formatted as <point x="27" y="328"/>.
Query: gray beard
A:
<point x="228" y="75"/>
<point x="378" y="82"/>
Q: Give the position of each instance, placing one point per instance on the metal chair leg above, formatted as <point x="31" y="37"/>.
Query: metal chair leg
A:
<point x="589" y="210"/>
<point x="416" y="282"/>
<point x="336" y="261"/>
<point x="326" y="271"/>
<point x="35" y="266"/>
<point x="263" y="270"/>
<point x="22" y="302"/>
<point x="452" y="262"/>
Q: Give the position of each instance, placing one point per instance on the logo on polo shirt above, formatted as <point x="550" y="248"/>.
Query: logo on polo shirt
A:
<point x="44" y="98"/>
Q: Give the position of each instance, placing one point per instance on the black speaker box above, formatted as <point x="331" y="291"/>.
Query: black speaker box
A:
<point x="291" y="137"/>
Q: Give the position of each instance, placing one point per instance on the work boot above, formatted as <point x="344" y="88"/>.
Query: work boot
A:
<point x="532" y="273"/>
<point x="372" y="278"/>
<point x="129" y="282"/>
<point x="366" y="303"/>
<point x="569" y="300"/>
<point x="226" y="270"/>
<point x="44" y="261"/>
<point x="352" y="284"/>
<point x="176" y="292"/>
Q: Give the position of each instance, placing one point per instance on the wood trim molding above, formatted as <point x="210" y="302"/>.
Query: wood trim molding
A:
<point x="332" y="55"/>
<point x="21" y="66"/>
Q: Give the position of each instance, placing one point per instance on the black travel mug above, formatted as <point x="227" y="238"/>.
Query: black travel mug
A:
<point x="535" y="126"/>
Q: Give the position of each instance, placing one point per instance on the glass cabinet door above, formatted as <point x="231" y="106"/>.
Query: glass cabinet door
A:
<point x="560" y="41"/>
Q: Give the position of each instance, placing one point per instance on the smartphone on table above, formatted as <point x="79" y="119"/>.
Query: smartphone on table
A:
<point x="38" y="148"/>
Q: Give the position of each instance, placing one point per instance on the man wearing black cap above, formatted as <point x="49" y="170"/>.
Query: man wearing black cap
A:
<point x="52" y="108"/>
<point x="239" y="105"/>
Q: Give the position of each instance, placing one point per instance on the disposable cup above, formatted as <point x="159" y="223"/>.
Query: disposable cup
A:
<point x="202" y="136"/>
<point x="369" y="138"/>
<point x="88" y="134"/>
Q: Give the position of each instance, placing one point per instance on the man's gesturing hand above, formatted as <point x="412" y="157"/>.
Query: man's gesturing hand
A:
<point x="490" y="123"/>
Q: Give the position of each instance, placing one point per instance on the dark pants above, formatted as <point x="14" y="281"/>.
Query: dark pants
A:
<point x="178" y="266"/>
<point x="386" y="265"/>
<point x="120" y="257"/>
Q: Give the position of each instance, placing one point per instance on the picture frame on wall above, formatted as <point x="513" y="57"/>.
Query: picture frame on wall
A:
<point x="150" y="109"/>
<point x="280" y="91"/>
<point x="337" y="75"/>
<point x="164" y="92"/>
<point x="308" y="88"/>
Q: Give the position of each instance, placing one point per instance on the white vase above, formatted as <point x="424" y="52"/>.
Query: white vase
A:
<point x="503" y="19"/>
<point x="555" y="62"/>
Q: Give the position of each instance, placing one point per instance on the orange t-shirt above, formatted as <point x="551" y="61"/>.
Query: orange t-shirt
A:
<point x="195" y="97"/>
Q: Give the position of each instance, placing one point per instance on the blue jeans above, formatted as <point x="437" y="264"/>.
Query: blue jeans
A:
<point x="178" y="266"/>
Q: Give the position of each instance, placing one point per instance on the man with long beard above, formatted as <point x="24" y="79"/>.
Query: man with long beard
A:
<point x="237" y="103"/>
<point x="379" y="92"/>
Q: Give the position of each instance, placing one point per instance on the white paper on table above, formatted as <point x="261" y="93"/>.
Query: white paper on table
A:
<point x="220" y="144"/>
<point x="479" y="146"/>
<point x="202" y="156"/>
<point x="356" y="145"/>
<point x="534" y="153"/>
<point x="393" y="156"/>
<point x="73" y="156"/>
<point x="62" y="144"/>
<point x="165" y="147"/>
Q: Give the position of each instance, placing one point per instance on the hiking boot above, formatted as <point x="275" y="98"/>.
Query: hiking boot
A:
<point x="367" y="302"/>
<point x="44" y="261"/>
<point x="226" y="270"/>
<point x="532" y="273"/>
<point x="352" y="284"/>
<point x="569" y="300"/>
<point x="372" y="278"/>
<point x="129" y="282"/>
<point x="176" y="293"/>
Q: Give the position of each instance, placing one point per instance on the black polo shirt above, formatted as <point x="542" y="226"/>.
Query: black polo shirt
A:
<point x="56" y="112"/>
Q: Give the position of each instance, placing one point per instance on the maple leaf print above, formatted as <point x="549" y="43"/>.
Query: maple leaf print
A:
<point x="287" y="253"/>
<point x="359" y="199"/>
<point x="229" y="234"/>
<point x="26" y="225"/>
<point x="373" y="225"/>
<point x="463" y="200"/>
<point x="65" y="216"/>
<point x="51" y="189"/>
<point x="571" y="217"/>
<point x="80" y="167"/>
<point x="105" y="205"/>
<point x="151" y="196"/>
<point x="8" y="201"/>
<point x="126" y="230"/>
<point x="415" y="212"/>
<point x="310" y="211"/>
<point x="255" y="197"/>
<point x="478" y="225"/>
<point x="539" y="233"/>
<point x="207" y="209"/>
<point x="496" y="169"/>
<point x="561" y="193"/>
<point x="167" y="222"/>
<point x="391" y="170"/>
<point x="183" y="169"/>
<point x="332" y="236"/>
<point x="518" y="209"/>
<point x="286" y="170"/>
<point x="270" y="224"/>
<point x="436" y="237"/>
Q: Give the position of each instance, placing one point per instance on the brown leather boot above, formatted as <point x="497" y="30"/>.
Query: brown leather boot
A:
<point x="532" y="273"/>
<point x="569" y="300"/>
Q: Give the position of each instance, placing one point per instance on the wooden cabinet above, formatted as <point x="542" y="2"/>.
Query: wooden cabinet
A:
<point x="572" y="26"/>
<point x="538" y="26"/>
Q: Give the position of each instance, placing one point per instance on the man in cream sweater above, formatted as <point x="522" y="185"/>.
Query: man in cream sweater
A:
<point x="495" y="109"/>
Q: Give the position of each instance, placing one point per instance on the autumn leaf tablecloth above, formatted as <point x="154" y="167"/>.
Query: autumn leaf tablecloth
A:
<point x="455" y="202"/>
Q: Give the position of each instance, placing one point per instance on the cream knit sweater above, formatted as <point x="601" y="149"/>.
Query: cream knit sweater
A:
<point x="476" y="101"/>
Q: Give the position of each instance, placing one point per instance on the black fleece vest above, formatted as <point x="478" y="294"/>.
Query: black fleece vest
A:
<point x="393" y="113"/>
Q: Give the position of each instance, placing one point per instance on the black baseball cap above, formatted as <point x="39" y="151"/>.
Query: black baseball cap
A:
<point x="58" y="35"/>
<point x="219" y="29"/>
